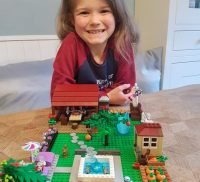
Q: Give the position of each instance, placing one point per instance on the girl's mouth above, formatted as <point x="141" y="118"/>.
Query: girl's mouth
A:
<point x="95" y="31"/>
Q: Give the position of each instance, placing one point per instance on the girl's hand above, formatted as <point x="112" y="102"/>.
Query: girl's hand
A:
<point x="118" y="96"/>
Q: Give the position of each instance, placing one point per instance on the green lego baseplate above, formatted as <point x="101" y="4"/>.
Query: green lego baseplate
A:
<point x="125" y="144"/>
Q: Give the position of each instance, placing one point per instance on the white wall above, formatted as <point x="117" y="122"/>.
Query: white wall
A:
<point x="27" y="30"/>
<point x="28" y="17"/>
<point x="33" y="17"/>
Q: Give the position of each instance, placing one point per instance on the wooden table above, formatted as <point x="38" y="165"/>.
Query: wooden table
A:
<point x="177" y="110"/>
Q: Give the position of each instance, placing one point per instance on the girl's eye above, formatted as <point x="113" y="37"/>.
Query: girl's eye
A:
<point x="105" y="11"/>
<point x="84" y="13"/>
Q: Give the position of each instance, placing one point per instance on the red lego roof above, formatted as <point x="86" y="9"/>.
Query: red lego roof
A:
<point x="76" y="95"/>
<point x="149" y="129"/>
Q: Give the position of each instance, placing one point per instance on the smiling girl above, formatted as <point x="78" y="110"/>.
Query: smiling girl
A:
<point x="96" y="47"/>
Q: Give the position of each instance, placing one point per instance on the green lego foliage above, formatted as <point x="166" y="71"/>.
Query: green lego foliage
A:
<point x="52" y="121"/>
<point x="106" y="122"/>
<point x="7" y="178"/>
<point x="20" y="172"/>
<point x="162" y="158"/>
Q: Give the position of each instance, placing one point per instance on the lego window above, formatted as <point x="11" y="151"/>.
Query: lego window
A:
<point x="154" y="142"/>
<point x="146" y="139"/>
<point x="146" y="142"/>
<point x="150" y="142"/>
<point x="154" y="139"/>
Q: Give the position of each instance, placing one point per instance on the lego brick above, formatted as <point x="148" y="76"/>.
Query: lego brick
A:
<point x="108" y="152"/>
<point x="74" y="172"/>
<point x="149" y="129"/>
<point x="62" y="103"/>
<point x="99" y="152"/>
<point x="77" y="87"/>
<point x="75" y="99"/>
<point x="76" y="95"/>
<point x="63" y="170"/>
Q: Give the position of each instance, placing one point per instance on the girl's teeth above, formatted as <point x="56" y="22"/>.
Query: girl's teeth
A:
<point x="96" y="31"/>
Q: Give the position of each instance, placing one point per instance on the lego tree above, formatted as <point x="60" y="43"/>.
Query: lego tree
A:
<point x="13" y="170"/>
<point x="105" y="122"/>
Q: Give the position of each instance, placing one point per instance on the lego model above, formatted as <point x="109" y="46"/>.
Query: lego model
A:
<point x="114" y="159"/>
<point x="70" y="97"/>
<point x="148" y="147"/>
<point x="104" y="165"/>
<point x="149" y="137"/>
<point x="104" y="122"/>
<point x="96" y="169"/>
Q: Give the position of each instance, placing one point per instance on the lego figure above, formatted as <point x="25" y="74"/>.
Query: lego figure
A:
<point x="104" y="103"/>
<point x="65" y="151"/>
<point x="146" y="118"/>
<point x="40" y="165"/>
<point x="135" y="106"/>
<point x="87" y="169"/>
<point x="137" y="91"/>
<point x="135" y="99"/>
<point x="105" y="170"/>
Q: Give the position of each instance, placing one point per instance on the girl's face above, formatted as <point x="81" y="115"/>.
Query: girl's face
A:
<point x="94" y="21"/>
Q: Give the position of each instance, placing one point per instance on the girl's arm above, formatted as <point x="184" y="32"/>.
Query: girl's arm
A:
<point x="119" y="93"/>
<point x="64" y="63"/>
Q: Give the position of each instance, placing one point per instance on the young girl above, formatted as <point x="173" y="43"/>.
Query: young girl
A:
<point x="96" y="47"/>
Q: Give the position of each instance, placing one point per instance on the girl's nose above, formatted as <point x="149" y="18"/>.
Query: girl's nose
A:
<point x="95" y="19"/>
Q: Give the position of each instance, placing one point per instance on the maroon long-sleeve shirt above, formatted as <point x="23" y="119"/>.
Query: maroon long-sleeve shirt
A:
<point x="74" y="64"/>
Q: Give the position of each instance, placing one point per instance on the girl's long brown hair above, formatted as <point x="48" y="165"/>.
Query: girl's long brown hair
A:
<point x="125" y="34"/>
